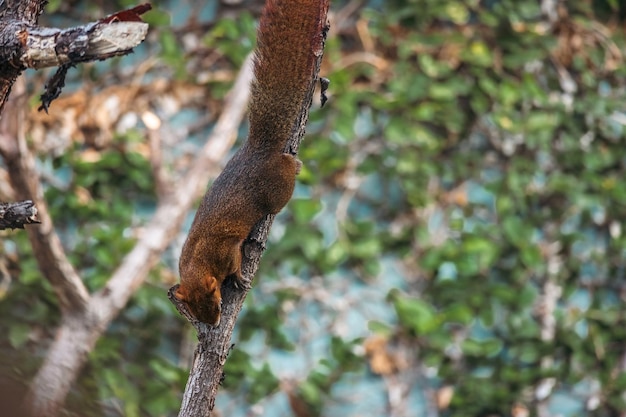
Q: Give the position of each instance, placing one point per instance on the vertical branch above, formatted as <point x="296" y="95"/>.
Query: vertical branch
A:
<point x="14" y="10"/>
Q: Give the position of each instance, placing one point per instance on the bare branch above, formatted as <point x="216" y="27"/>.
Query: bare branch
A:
<point x="16" y="215"/>
<point x="26" y="45"/>
<point x="20" y="9"/>
<point x="49" y="47"/>
<point x="545" y="308"/>
<point x="24" y="178"/>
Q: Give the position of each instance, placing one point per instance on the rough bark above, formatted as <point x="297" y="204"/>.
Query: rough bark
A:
<point x="14" y="10"/>
<point x="16" y="215"/>
<point x="40" y="47"/>
<point x="215" y="342"/>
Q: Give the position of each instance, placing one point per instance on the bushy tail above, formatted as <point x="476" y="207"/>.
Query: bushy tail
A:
<point x="290" y="39"/>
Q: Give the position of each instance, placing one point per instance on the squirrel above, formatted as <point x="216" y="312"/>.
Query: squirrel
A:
<point x="260" y="178"/>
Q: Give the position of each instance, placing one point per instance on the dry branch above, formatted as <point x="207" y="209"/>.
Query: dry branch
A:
<point x="49" y="47"/>
<point x="23" y="44"/>
<point x="16" y="215"/>
<point x="24" y="178"/>
<point x="39" y="47"/>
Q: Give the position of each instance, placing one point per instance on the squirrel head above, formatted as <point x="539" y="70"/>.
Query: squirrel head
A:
<point x="204" y="302"/>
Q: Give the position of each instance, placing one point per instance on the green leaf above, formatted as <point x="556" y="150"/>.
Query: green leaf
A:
<point x="264" y="383"/>
<point x="53" y="5"/>
<point x="478" y="53"/>
<point x="416" y="314"/>
<point x="310" y="392"/>
<point x="515" y="231"/>
<point x="366" y="247"/>
<point x="531" y="256"/>
<point x="18" y="335"/>
<point x="460" y="313"/>
<point x="156" y="18"/>
<point x="475" y="347"/>
<point x="164" y="372"/>
<point x="304" y="210"/>
<point x="379" y="328"/>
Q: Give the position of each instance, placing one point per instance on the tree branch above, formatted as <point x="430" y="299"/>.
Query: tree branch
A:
<point x="23" y="44"/>
<point x="16" y="215"/>
<point x="24" y="10"/>
<point x="39" y="47"/>
<point x="24" y="178"/>
<point x="79" y="332"/>
<point x="14" y="10"/>
<point x="215" y="342"/>
<point x="49" y="47"/>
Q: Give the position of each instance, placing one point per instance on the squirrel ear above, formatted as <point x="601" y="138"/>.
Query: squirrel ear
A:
<point x="181" y="293"/>
<point x="211" y="284"/>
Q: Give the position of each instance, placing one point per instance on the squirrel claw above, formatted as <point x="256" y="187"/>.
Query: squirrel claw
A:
<point x="219" y="316"/>
<point x="241" y="283"/>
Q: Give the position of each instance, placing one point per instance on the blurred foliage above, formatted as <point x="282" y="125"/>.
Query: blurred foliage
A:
<point x="456" y="233"/>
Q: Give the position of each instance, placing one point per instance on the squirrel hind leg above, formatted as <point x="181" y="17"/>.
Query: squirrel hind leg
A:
<point x="292" y="161"/>
<point x="298" y="166"/>
<point x="281" y="177"/>
<point x="235" y="277"/>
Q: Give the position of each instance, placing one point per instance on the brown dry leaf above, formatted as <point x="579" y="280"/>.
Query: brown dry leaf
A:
<point x="141" y="148"/>
<point x="457" y="196"/>
<point x="382" y="362"/>
<point x="298" y="405"/>
<point x="83" y="195"/>
<point x="55" y="131"/>
<point x="519" y="410"/>
<point x="575" y="39"/>
<point x="84" y="117"/>
<point x="91" y="117"/>
<point x="444" y="396"/>
<point x="90" y="156"/>
<point x="451" y="53"/>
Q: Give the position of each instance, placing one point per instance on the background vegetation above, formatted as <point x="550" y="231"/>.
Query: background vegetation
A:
<point x="455" y="245"/>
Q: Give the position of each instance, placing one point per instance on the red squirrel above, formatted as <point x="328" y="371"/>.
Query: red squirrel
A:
<point x="260" y="178"/>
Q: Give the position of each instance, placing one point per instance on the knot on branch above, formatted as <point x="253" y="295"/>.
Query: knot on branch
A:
<point x="16" y="215"/>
